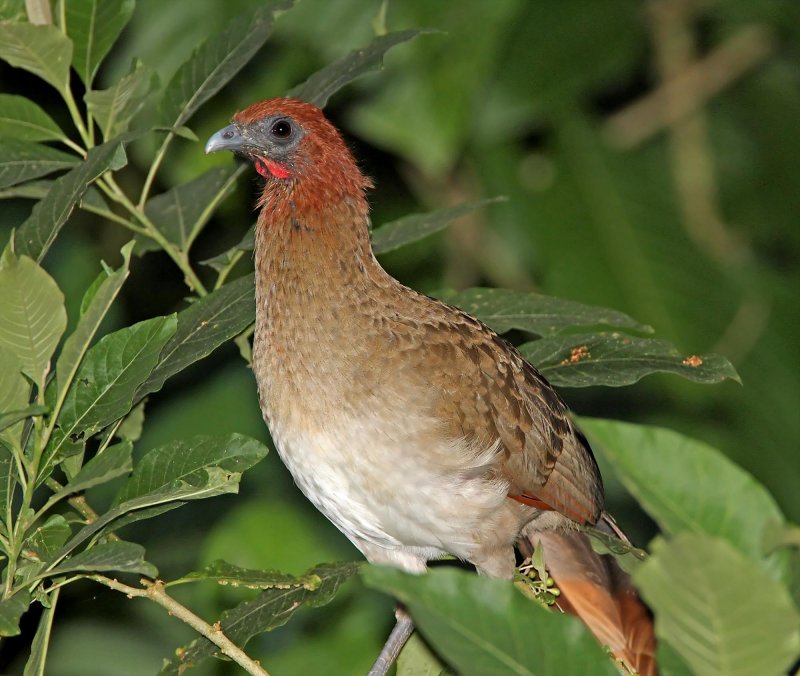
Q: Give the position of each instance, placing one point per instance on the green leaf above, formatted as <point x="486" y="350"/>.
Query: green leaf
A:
<point x="42" y="50"/>
<point x="202" y="327"/>
<point x="92" y="200"/>
<point x="505" y="309"/>
<point x="411" y="228"/>
<point x="41" y="641"/>
<point x="48" y="538"/>
<point x="107" y="380"/>
<point x="37" y="233"/>
<point x="417" y="659"/>
<point x="94" y="26"/>
<point x="485" y="626"/>
<point x="22" y="119"/>
<point x="94" y="307"/>
<point x="114" y="462"/>
<point x="8" y="475"/>
<point x="326" y="82"/>
<point x="225" y="573"/>
<point x="616" y="359"/>
<point x="131" y="427"/>
<point x="11" y="609"/>
<point x="226" y="258"/>
<point x="21" y="161"/>
<point x="184" y="464"/>
<point x="115" y="107"/>
<point x="14" y="394"/>
<point x="119" y="556"/>
<point x="32" y="308"/>
<point x="216" y="61"/>
<point x="9" y="418"/>
<point x="686" y="485"/>
<point x="270" y="609"/>
<point x="180" y="213"/>
<point x="716" y="611"/>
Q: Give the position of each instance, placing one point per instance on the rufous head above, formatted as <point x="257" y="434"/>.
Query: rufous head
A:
<point x="296" y="149"/>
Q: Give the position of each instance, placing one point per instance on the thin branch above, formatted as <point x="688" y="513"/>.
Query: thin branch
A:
<point x="154" y="591"/>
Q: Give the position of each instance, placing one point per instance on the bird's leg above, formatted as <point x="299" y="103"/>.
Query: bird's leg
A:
<point x="394" y="644"/>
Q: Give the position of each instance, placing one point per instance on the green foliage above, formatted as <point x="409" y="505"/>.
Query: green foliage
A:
<point x="458" y="108"/>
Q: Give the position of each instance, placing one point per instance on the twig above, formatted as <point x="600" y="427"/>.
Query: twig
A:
<point x="394" y="644"/>
<point x="155" y="592"/>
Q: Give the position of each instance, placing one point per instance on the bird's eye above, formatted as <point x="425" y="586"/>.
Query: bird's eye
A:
<point x="281" y="129"/>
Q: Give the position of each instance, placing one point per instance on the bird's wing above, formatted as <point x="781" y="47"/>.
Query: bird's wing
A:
<point x="490" y="394"/>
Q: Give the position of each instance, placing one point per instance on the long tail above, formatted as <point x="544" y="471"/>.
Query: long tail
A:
<point x="595" y="589"/>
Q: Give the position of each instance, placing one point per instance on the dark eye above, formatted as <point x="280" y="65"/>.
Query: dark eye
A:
<point x="281" y="129"/>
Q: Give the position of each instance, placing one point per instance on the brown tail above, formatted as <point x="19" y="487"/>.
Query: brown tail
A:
<point x="595" y="589"/>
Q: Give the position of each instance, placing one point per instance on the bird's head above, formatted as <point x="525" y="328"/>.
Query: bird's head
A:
<point x="300" y="154"/>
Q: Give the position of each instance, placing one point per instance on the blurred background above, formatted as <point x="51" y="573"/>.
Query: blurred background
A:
<point x="650" y="153"/>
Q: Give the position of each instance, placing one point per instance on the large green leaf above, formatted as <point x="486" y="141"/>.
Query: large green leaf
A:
<point x="716" y="611"/>
<point x="37" y="233"/>
<point x="202" y="327"/>
<point x="11" y="609"/>
<point x="414" y="227"/>
<point x="180" y="213"/>
<point x="111" y="372"/>
<point x="115" y="107"/>
<point x="225" y="573"/>
<point x="686" y="485"/>
<point x="32" y="308"/>
<point x="270" y="609"/>
<point x="119" y="556"/>
<point x="484" y="626"/>
<point x="616" y="359"/>
<point x="94" y="308"/>
<point x="42" y="50"/>
<point x="22" y="119"/>
<point x="94" y="26"/>
<point x="506" y="309"/>
<point x="48" y="538"/>
<point x="23" y="160"/>
<point x="216" y="61"/>
<point x="326" y="82"/>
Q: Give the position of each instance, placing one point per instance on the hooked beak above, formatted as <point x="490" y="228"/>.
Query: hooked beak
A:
<point x="228" y="138"/>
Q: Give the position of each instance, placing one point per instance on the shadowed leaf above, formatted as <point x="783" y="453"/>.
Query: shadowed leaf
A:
<point x="22" y="119"/>
<point x="719" y="615"/>
<point x="11" y="609"/>
<point x="119" y="556"/>
<point x="9" y="418"/>
<point x="270" y="609"/>
<point x="225" y="573"/>
<point x="485" y="626"/>
<point x="48" y="538"/>
<point x="38" y="658"/>
<point x="411" y="228"/>
<point x="216" y="61"/>
<point x="325" y="83"/>
<point x="42" y="50"/>
<point x="21" y="161"/>
<point x="114" y="462"/>
<point x="115" y="107"/>
<point x="226" y="258"/>
<point x="505" y="309"/>
<point x="615" y="359"/>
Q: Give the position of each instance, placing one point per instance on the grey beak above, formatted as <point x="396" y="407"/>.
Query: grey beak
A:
<point x="227" y="138"/>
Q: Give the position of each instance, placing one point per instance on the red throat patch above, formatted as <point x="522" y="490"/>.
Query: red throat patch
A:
<point x="269" y="168"/>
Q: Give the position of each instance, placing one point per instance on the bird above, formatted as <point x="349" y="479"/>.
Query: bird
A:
<point x="412" y="426"/>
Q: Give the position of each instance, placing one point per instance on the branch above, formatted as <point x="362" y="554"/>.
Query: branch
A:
<point x="154" y="591"/>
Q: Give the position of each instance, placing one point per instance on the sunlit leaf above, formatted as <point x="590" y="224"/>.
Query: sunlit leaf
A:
<point x="48" y="538"/>
<point x="37" y="233"/>
<point x="108" y="378"/>
<point x="225" y="573"/>
<point x="216" y="61"/>
<point x="94" y="26"/>
<point x="32" y="308"/>
<point x="119" y="556"/>
<point x="202" y="327"/>
<point x="42" y="50"/>
<point x="22" y="119"/>
<point x="686" y="485"/>
<point x="115" y="107"/>
<point x="21" y="161"/>
<point x="505" y="309"/>
<point x="325" y="83"/>
<point x="180" y="213"/>
<point x="716" y="611"/>
<point x="411" y="228"/>
<point x="484" y="626"/>
<point x="270" y="609"/>
<point x="11" y="609"/>
<point x="616" y="359"/>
